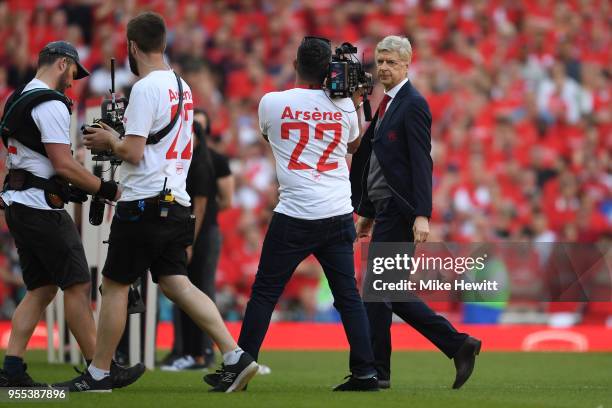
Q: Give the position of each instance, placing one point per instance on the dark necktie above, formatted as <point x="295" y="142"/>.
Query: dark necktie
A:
<point x="381" y="111"/>
<point x="383" y="106"/>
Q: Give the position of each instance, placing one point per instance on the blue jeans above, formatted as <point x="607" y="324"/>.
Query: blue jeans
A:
<point x="288" y="242"/>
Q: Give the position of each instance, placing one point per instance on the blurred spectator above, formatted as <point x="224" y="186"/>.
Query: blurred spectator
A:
<point x="560" y="97"/>
<point x="541" y="232"/>
<point x="100" y="80"/>
<point x="21" y="68"/>
<point x="520" y="93"/>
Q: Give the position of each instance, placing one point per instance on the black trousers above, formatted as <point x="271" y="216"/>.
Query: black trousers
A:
<point x="189" y="338"/>
<point x="49" y="246"/>
<point x="288" y="242"/>
<point x="391" y="226"/>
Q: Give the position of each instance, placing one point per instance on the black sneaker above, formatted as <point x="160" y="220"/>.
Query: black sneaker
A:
<point x="21" y="380"/>
<point x="213" y="379"/>
<point x="123" y="376"/>
<point x="86" y="383"/>
<point x="235" y="377"/>
<point x="358" y="384"/>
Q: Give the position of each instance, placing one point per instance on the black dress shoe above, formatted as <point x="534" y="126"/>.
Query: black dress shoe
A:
<point x="358" y="384"/>
<point x="465" y="360"/>
<point x="384" y="384"/>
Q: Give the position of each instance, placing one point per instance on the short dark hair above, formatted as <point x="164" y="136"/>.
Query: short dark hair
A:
<point x="313" y="57"/>
<point x="148" y="31"/>
<point x="49" y="59"/>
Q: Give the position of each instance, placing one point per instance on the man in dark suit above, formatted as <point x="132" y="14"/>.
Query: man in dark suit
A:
<point x="391" y="176"/>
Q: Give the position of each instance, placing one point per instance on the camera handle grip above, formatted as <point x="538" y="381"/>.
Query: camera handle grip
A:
<point x="96" y="210"/>
<point x="367" y="109"/>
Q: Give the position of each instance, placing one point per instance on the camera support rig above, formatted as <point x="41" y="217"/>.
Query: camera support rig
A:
<point x="112" y="111"/>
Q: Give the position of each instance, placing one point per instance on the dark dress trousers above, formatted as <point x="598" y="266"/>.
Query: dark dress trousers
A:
<point x="402" y="145"/>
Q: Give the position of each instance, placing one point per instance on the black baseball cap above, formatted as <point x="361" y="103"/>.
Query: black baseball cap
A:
<point x="66" y="49"/>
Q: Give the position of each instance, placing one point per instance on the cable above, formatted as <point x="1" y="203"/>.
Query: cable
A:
<point x="332" y="101"/>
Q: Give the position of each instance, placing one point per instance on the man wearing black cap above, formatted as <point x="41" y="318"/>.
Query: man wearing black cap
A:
<point x="35" y="129"/>
<point x="60" y="49"/>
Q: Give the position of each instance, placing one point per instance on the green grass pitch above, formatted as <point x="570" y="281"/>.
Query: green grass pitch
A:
<point x="419" y="379"/>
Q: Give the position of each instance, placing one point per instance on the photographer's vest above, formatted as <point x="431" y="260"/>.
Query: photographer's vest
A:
<point x="17" y="123"/>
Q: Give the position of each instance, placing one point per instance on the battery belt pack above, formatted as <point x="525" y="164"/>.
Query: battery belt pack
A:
<point x="57" y="190"/>
<point x="149" y="209"/>
<point x="135" y="210"/>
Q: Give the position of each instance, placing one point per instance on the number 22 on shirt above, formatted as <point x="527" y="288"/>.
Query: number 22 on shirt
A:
<point x="304" y="137"/>
<point x="172" y="152"/>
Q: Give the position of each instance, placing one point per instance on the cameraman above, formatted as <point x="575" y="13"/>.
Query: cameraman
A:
<point x="193" y="349"/>
<point x="152" y="226"/>
<point x="40" y="163"/>
<point x="310" y="135"/>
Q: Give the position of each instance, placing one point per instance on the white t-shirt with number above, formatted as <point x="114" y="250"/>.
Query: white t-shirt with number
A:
<point x="153" y="103"/>
<point x="309" y="134"/>
<point x="53" y="120"/>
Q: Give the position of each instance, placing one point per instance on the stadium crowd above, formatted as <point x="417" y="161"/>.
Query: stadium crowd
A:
<point x="520" y="92"/>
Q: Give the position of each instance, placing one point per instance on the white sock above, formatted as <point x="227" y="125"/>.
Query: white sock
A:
<point x="97" y="373"/>
<point x="232" y="357"/>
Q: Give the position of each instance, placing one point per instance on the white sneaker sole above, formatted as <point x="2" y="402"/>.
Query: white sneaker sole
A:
<point x="244" y="377"/>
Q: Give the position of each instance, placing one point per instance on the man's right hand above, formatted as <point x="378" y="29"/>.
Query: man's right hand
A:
<point x="357" y="97"/>
<point x="109" y="190"/>
<point x="364" y="227"/>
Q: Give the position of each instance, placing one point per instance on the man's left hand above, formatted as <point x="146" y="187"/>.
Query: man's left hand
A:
<point x="100" y="139"/>
<point x="420" y="229"/>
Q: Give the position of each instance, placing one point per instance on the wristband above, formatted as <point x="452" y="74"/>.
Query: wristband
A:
<point x="108" y="190"/>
